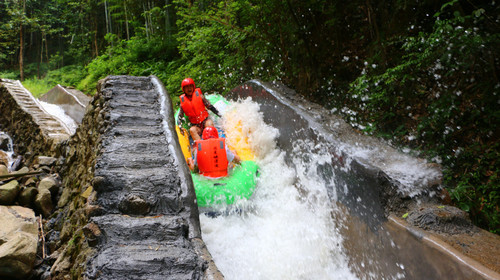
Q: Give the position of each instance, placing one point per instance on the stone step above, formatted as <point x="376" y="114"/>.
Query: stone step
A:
<point x="47" y="123"/>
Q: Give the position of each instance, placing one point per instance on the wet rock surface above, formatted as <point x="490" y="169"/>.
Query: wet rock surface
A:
<point x="137" y="181"/>
<point x="127" y="210"/>
<point x="441" y="219"/>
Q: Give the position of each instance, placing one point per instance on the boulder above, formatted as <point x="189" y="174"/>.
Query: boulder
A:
<point x="43" y="202"/>
<point x="27" y="196"/>
<point x="4" y="158"/>
<point x="9" y="192"/>
<point x="45" y="161"/>
<point x="50" y="184"/>
<point x="18" y="242"/>
<point x="22" y="170"/>
<point x="3" y="170"/>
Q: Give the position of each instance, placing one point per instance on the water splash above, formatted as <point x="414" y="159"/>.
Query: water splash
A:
<point x="59" y="113"/>
<point x="10" y="149"/>
<point x="289" y="232"/>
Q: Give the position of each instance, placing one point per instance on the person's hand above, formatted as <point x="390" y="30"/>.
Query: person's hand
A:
<point x="190" y="163"/>
<point x="183" y="130"/>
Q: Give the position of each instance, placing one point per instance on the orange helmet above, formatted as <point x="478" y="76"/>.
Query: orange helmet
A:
<point x="187" y="82"/>
<point x="210" y="132"/>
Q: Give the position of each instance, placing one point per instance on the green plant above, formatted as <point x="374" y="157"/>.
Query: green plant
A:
<point x="37" y="87"/>
<point x="442" y="98"/>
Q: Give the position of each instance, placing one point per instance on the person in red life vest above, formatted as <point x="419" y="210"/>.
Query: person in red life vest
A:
<point x="194" y="105"/>
<point x="211" y="155"/>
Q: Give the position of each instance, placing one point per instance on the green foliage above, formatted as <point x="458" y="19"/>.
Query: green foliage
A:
<point x="137" y="57"/>
<point x="37" y="87"/>
<point x="442" y="97"/>
<point x="219" y="45"/>
<point x="68" y="76"/>
<point x="9" y="75"/>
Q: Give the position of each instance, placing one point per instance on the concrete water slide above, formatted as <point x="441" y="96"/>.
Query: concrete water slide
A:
<point x="133" y="195"/>
<point x="375" y="185"/>
<point x="50" y="125"/>
<point x="71" y="100"/>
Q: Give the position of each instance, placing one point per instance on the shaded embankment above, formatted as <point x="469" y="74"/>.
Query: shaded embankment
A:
<point x="374" y="184"/>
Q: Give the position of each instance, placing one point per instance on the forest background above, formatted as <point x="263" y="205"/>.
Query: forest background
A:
<point x="424" y="74"/>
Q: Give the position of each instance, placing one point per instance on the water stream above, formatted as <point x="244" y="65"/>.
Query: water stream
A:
<point x="287" y="230"/>
<point x="314" y="215"/>
<point x="59" y="114"/>
<point x="8" y="149"/>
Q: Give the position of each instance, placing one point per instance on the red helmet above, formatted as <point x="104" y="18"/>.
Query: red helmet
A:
<point x="187" y="82"/>
<point x="210" y="132"/>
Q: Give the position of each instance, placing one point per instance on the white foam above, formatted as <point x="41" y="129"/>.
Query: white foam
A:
<point x="10" y="149"/>
<point x="59" y="113"/>
<point x="412" y="174"/>
<point x="286" y="234"/>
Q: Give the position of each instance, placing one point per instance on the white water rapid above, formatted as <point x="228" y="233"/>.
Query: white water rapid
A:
<point x="58" y="112"/>
<point x="287" y="231"/>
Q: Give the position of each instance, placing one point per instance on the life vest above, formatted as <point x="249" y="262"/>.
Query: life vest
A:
<point x="194" y="108"/>
<point x="211" y="157"/>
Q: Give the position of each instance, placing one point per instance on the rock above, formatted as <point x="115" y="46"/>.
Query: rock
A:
<point x="64" y="199"/>
<point x="18" y="162"/>
<point x="134" y="204"/>
<point x="443" y="219"/>
<point x="3" y="170"/>
<point x="4" y="142"/>
<point x="22" y="170"/>
<point x="9" y="192"/>
<point x="30" y="182"/>
<point x="4" y="158"/>
<point x="50" y="184"/>
<point x="18" y="239"/>
<point x="92" y="234"/>
<point x="27" y="197"/>
<point x="45" y="161"/>
<point x="61" y="265"/>
<point x="43" y="202"/>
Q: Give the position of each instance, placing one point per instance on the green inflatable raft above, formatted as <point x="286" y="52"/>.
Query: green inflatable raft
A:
<point x="241" y="181"/>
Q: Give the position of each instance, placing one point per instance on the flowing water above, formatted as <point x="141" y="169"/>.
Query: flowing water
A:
<point x="59" y="113"/>
<point x="287" y="230"/>
<point x="8" y="149"/>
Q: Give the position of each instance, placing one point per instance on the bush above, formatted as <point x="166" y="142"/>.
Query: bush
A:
<point x="442" y="98"/>
<point x="137" y="57"/>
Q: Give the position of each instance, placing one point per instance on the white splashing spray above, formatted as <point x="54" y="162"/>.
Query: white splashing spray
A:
<point x="287" y="234"/>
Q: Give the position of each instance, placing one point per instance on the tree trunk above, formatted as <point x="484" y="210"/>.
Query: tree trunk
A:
<point x="41" y="59"/>
<point x="95" y="39"/>
<point x="126" y="20"/>
<point x="21" y="44"/>
<point x="146" y="20"/>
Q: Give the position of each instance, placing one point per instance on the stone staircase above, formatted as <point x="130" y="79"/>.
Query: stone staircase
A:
<point x="144" y="223"/>
<point x="49" y="124"/>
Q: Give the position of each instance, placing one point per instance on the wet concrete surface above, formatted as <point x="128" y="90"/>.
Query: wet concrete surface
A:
<point x="369" y="193"/>
<point x="71" y="100"/>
